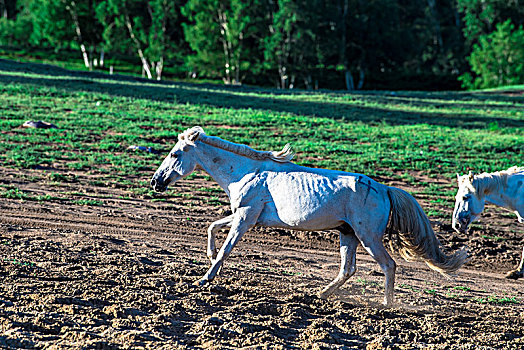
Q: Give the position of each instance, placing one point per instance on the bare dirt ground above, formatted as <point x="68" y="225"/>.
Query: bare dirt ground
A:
<point x="120" y="276"/>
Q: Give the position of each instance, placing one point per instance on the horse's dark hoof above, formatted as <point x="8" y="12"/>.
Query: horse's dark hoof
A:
<point x="513" y="275"/>
<point x="200" y="283"/>
<point x="322" y="295"/>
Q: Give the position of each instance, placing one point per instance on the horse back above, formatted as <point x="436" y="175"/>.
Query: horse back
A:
<point x="315" y="199"/>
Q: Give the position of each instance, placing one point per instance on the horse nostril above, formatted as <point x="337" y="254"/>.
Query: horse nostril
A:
<point x="153" y="183"/>
<point x="463" y="217"/>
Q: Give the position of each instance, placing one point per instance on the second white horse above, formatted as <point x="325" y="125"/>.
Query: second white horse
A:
<point x="502" y="188"/>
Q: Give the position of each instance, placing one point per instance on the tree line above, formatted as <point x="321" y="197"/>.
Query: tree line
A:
<point x="341" y="44"/>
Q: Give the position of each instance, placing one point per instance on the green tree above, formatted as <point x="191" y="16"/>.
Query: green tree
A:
<point x="217" y="32"/>
<point x="441" y="44"/>
<point x="293" y="46"/>
<point x="66" y="23"/>
<point x="147" y="26"/>
<point x="15" y="23"/>
<point x="371" y="39"/>
<point x="498" y="58"/>
<point x="480" y="17"/>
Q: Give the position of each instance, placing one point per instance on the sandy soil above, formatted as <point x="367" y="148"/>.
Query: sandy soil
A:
<point x="120" y="276"/>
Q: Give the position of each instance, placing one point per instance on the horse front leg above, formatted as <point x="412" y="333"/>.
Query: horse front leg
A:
<point x="211" y="234"/>
<point x="243" y="219"/>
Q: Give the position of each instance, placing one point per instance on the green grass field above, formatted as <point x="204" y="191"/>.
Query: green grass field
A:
<point x="386" y="135"/>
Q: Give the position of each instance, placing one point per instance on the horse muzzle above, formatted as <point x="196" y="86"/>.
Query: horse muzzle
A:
<point x="461" y="225"/>
<point x="158" y="185"/>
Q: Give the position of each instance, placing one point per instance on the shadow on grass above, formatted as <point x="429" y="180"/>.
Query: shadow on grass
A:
<point x="395" y="108"/>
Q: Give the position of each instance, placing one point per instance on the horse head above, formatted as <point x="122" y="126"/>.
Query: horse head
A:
<point x="469" y="203"/>
<point x="180" y="162"/>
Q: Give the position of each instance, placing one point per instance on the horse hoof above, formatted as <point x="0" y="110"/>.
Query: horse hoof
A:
<point x="322" y="295"/>
<point x="513" y="275"/>
<point x="200" y="283"/>
<point x="387" y="304"/>
<point x="212" y="256"/>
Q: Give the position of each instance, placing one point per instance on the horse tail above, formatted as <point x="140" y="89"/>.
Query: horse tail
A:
<point x="415" y="237"/>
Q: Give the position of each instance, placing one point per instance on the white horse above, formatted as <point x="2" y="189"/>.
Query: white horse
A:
<point x="502" y="188"/>
<point x="266" y="189"/>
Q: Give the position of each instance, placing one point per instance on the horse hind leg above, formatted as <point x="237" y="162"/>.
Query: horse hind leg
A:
<point x="519" y="271"/>
<point x="348" y="248"/>
<point x="375" y="248"/>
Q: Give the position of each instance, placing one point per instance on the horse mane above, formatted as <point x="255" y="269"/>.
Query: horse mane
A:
<point x="514" y="170"/>
<point x="197" y="133"/>
<point x="489" y="182"/>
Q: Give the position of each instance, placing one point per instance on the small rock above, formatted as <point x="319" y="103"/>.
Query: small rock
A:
<point x="143" y="148"/>
<point x="39" y="125"/>
<point x="214" y="320"/>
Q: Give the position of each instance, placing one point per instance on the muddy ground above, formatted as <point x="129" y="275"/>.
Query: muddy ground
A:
<point x="119" y="275"/>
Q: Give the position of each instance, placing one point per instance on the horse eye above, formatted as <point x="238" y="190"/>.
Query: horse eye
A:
<point x="174" y="155"/>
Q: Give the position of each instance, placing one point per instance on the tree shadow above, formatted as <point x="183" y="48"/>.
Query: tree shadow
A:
<point x="451" y="109"/>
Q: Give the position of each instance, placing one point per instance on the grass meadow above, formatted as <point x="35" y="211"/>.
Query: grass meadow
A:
<point x="386" y="135"/>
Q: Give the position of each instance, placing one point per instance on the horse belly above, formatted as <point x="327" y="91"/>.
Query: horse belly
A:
<point x="308" y="220"/>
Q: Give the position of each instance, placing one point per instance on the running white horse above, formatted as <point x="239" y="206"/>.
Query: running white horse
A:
<point x="502" y="188"/>
<point x="266" y="189"/>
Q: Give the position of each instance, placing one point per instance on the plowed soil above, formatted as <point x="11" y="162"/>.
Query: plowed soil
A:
<point x="119" y="275"/>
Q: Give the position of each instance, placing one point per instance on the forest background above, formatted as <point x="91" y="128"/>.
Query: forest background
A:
<point x="310" y="44"/>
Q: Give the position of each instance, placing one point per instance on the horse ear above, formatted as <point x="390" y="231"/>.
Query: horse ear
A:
<point x="471" y="176"/>
<point x="458" y="177"/>
<point x="193" y="136"/>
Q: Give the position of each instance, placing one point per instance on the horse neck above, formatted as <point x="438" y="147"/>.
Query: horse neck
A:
<point x="488" y="184"/>
<point x="502" y="195"/>
<point x="494" y="190"/>
<point x="223" y="166"/>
